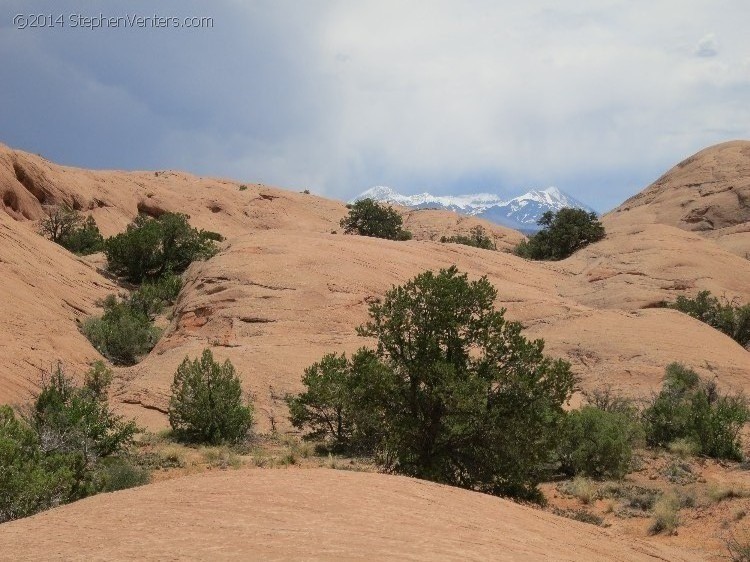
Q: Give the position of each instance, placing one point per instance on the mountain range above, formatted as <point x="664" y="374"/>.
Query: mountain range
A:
<point x="520" y="213"/>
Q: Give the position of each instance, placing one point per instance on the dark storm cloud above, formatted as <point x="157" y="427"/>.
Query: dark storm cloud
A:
<point x="594" y="97"/>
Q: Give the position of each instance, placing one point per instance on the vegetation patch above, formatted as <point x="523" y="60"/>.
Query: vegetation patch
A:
<point x="580" y="515"/>
<point x="477" y="238"/>
<point x="66" y="445"/>
<point x="563" y="233"/>
<point x="726" y="316"/>
<point x="124" y="333"/>
<point x="666" y="514"/>
<point x="67" y="227"/>
<point x="207" y="405"/>
<point x="367" y="217"/>
<point x="151" y="248"/>
<point x="692" y="409"/>
<point x="453" y="393"/>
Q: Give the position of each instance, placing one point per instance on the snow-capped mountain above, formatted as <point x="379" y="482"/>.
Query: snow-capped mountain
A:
<point x="521" y="212"/>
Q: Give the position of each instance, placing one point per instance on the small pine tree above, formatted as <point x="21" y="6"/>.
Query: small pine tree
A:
<point x="206" y="405"/>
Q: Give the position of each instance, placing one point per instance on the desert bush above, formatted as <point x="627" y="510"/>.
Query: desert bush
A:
<point x="477" y="238"/>
<point x="152" y="296"/>
<point x="123" y="334"/>
<point x="606" y="399"/>
<point x="726" y="316"/>
<point x="150" y="248"/>
<point x="78" y="422"/>
<point x="738" y="548"/>
<point x="367" y="217"/>
<point x="597" y="443"/>
<point x="56" y="452"/>
<point x="454" y="393"/>
<point x="683" y="447"/>
<point x="66" y="227"/>
<point x="718" y="492"/>
<point x="325" y="406"/>
<point x="162" y="457"/>
<point x="59" y="222"/>
<point x="206" y="405"/>
<point x="692" y="409"/>
<point x="563" y="233"/>
<point x="30" y="480"/>
<point x="85" y="239"/>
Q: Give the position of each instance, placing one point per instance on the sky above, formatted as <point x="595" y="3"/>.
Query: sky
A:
<point x="596" y="97"/>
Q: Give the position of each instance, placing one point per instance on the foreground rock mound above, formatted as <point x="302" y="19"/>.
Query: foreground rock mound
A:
<point x="311" y="515"/>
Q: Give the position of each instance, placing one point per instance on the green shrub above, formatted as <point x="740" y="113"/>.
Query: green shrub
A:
<point x="597" y="443"/>
<point x="150" y="248"/>
<point x="66" y="227"/>
<point x="724" y="315"/>
<point x="367" y="217"/>
<point x="564" y="233"/>
<point x="324" y="406"/>
<point x="123" y="334"/>
<point x="477" y="238"/>
<point x="56" y="454"/>
<point x="85" y="239"/>
<point x="692" y="409"/>
<point x="153" y="296"/>
<point x="206" y="405"/>
<point x="78" y="420"/>
<point x="454" y="392"/>
<point x="30" y="480"/>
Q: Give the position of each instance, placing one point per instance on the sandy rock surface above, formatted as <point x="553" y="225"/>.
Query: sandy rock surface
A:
<point x="313" y="514"/>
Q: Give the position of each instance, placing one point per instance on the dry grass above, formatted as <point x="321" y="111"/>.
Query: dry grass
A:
<point x="683" y="448"/>
<point x="666" y="514"/>
<point x="584" y="489"/>
<point x="222" y="457"/>
<point x="738" y="547"/>
<point x="720" y="492"/>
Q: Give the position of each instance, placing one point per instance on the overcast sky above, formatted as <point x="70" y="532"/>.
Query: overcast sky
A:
<point x="595" y="97"/>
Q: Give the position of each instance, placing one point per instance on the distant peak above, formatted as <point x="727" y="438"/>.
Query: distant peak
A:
<point x="520" y="212"/>
<point x="553" y="191"/>
<point x="378" y="191"/>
